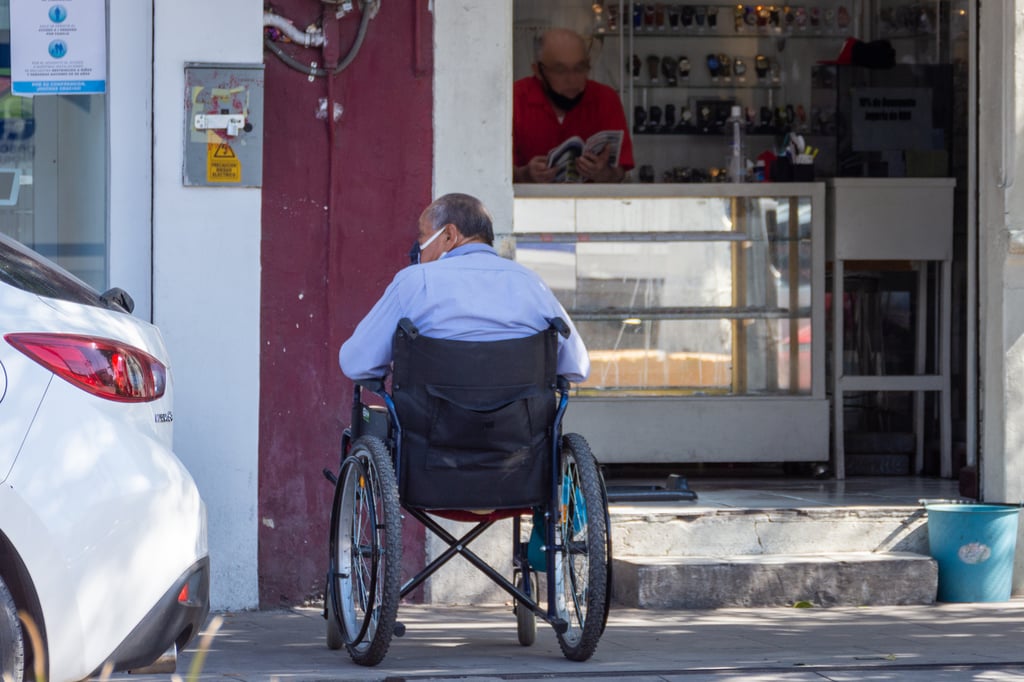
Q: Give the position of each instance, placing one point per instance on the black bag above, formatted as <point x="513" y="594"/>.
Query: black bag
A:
<point x="476" y="420"/>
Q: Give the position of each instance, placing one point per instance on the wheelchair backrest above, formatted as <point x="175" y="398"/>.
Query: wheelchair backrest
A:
<point x="477" y="419"/>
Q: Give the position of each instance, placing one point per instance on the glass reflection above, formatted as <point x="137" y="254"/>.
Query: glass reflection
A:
<point x="689" y="296"/>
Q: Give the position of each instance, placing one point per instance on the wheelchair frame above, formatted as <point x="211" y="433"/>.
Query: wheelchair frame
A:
<point x="364" y="617"/>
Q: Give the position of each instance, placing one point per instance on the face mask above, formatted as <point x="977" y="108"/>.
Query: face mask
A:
<point x="417" y="248"/>
<point x="560" y="101"/>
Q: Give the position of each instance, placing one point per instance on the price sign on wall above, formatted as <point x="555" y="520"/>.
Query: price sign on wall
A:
<point x="58" y="47"/>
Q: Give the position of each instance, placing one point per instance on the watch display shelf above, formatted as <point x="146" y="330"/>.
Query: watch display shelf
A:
<point x="781" y="86"/>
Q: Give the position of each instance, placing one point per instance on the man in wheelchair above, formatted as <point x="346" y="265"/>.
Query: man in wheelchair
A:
<point x="479" y="354"/>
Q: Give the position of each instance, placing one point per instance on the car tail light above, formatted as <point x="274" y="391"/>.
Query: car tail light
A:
<point x="104" y="367"/>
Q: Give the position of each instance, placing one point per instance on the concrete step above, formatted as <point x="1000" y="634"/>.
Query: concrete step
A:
<point x="700" y="557"/>
<point x="845" y="579"/>
<point x="666" y="531"/>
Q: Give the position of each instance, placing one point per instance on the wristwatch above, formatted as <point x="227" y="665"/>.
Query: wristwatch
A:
<point x="684" y="67"/>
<point x="669" y="67"/>
<point x="635" y="66"/>
<point x="726" y="65"/>
<point x="714" y="66"/>
<point x="649" y="16"/>
<point x="702" y="12"/>
<point x="843" y="17"/>
<point x="739" y="66"/>
<point x="673" y="17"/>
<point x="653" y="62"/>
<point x="686" y="15"/>
<point x="670" y="116"/>
<point x="712" y="16"/>
<point x="639" y="118"/>
<point x="761" y="65"/>
<point x="654" y="116"/>
<point x="801" y="17"/>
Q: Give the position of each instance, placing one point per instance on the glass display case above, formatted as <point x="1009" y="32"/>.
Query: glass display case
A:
<point x="704" y="300"/>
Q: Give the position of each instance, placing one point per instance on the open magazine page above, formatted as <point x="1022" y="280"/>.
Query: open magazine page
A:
<point x="563" y="157"/>
<point x="598" y="141"/>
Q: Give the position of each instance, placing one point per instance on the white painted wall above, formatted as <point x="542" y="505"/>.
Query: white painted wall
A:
<point x="472" y="103"/>
<point x="1001" y="260"/>
<point x="206" y="293"/>
<point x="130" y="135"/>
<point x="473" y="154"/>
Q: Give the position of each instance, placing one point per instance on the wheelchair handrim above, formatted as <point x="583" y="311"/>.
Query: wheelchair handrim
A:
<point x="351" y="593"/>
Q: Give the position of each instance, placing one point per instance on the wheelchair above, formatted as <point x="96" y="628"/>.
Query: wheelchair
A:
<point x="471" y="431"/>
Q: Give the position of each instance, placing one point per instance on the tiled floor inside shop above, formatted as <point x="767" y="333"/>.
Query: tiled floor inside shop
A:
<point x="795" y="492"/>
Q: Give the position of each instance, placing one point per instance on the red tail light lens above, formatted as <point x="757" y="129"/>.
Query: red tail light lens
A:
<point x="103" y="367"/>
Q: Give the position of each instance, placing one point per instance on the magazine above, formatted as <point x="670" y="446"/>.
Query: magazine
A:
<point x="563" y="157"/>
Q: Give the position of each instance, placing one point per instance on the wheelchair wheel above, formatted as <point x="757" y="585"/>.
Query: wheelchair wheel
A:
<point x="581" y="574"/>
<point x="366" y="553"/>
<point x="526" y="619"/>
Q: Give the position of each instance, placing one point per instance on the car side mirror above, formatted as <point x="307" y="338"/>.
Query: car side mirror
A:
<point x="118" y="297"/>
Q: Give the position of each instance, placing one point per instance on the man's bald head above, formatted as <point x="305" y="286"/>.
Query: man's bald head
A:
<point x="560" y="45"/>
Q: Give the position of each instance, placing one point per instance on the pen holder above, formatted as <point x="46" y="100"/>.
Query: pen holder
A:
<point x="785" y="170"/>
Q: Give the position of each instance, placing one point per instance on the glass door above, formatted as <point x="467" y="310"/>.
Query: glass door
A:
<point x="53" y="154"/>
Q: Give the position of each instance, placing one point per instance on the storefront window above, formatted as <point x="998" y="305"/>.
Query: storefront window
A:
<point x="53" y="149"/>
<point x="698" y="295"/>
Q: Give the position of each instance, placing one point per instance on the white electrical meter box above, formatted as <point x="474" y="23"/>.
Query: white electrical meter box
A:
<point x="223" y="125"/>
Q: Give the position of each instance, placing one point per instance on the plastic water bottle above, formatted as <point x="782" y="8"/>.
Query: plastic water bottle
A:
<point x="737" y="162"/>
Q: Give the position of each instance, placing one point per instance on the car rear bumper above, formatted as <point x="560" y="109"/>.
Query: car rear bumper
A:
<point x="173" y="621"/>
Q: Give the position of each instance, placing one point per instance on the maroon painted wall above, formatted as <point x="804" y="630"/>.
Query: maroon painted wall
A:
<point x="339" y="213"/>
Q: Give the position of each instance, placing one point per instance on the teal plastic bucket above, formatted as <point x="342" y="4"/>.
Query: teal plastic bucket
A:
<point x="973" y="545"/>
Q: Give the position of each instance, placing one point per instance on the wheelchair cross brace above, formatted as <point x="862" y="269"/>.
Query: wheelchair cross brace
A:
<point x="459" y="546"/>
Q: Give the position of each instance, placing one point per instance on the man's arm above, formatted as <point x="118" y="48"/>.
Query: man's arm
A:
<point x="367" y="353"/>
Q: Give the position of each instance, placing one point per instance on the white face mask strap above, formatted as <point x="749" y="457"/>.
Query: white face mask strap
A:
<point x="434" y="236"/>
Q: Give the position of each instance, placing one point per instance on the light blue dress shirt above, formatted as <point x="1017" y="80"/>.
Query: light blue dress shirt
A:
<point x="471" y="294"/>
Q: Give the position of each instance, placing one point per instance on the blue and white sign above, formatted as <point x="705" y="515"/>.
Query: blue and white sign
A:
<point x="58" y="47"/>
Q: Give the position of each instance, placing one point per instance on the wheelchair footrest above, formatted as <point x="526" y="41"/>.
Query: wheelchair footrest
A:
<point x="560" y="626"/>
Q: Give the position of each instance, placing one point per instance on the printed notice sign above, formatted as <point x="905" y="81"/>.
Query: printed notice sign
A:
<point x="891" y="119"/>
<point x="58" y="47"/>
<point x="222" y="164"/>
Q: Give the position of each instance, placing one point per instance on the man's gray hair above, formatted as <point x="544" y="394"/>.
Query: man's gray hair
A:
<point x="466" y="212"/>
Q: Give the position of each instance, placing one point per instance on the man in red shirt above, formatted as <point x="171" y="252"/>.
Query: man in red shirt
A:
<point x="559" y="101"/>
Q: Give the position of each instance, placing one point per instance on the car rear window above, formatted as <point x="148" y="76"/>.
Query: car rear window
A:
<point x="27" y="270"/>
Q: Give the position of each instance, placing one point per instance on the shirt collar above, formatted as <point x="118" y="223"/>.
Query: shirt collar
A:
<point x="472" y="247"/>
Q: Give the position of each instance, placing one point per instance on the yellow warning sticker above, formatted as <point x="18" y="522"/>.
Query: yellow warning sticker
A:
<point x="221" y="163"/>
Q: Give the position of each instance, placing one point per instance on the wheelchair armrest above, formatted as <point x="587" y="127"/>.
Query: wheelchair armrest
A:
<point x="375" y="385"/>
<point x="561" y="383"/>
<point x="560" y="326"/>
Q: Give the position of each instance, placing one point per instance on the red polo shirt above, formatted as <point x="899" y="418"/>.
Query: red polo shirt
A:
<point x="536" y="130"/>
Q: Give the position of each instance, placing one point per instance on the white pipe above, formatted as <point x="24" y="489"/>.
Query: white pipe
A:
<point x="313" y="38"/>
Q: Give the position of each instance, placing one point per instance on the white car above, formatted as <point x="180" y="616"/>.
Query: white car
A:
<point x="102" y="529"/>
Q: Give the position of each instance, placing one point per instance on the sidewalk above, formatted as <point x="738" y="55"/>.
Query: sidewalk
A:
<point x="941" y="642"/>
